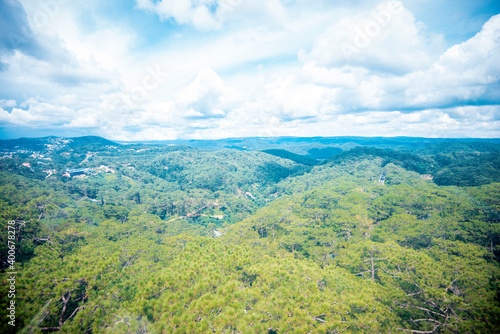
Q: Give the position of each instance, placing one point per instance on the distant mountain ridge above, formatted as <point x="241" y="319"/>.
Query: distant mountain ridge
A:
<point x="312" y="147"/>
<point x="52" y="142"/>
<point x="304" y="145"/>
<point x="301" y="159"/>
<point x="450" y="147"/>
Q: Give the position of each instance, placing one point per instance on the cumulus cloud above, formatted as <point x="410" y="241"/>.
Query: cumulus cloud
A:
<point x="207" y="96"/>
<point x="36" y="60"/>
<point x="288" y="100"/>
<point x="16" y="32"/>
<point x="386" y="38"/>
<point x="7" y="103"/>
<point x="212" y="14"/>
<point x="431" y="123"/>
<point x="363" y="69"/>
<point x="467" y="73"/>
<point x="36" y="113"/>
<point x="202" y="14"/>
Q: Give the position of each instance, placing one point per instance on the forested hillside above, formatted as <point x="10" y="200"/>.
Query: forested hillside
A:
<point x="313" y="238"/>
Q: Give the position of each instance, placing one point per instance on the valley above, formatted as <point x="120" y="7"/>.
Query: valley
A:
<point x="277" y="235"/>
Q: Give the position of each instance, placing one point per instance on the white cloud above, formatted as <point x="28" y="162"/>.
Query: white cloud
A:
<point x="7" y="103"/>
<point x="244" y="78"/>
<point x="465" y="73"/>
<point x="386" y="38"/>
<point x="213" y="14"/>
<point x="288" y="99"/>
<point x="34" y="113"/>
<point x="191" y="12"/>
<point x="259" y="12"/>
<point x="207" y="96"/>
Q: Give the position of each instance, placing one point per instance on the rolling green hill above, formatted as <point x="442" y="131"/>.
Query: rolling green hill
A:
<point x="178" y="239"/>
<point x="301" y="159"/>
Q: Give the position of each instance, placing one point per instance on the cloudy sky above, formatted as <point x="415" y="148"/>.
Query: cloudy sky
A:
<point x="168" y="69"/>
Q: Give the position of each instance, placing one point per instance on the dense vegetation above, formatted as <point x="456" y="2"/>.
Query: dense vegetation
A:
<point x="176" y="239"/>
<point x="304" y="160"/>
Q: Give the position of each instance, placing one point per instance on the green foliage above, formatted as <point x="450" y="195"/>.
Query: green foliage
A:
<point x="324" y="153"/>
<point x="182" y="240"/>
<point x="292" y="156"/>
<point x="469" y="147"/>
<point x="477" y="164"/>
<point x="468" y="170"/>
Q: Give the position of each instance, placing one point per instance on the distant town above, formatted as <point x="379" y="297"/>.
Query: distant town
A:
<point x="58" y="156"/>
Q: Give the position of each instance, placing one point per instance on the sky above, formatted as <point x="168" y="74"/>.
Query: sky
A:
<point x="207" y="69"/>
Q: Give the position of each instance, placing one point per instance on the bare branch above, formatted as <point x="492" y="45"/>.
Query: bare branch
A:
<point x="76" y="310"/>
<point x="419" y="332"/>
<point x="414" y="294"/>
<point x="65" y="303"/>
<point x="317" y="317"/>
<point x="427" y="310"/>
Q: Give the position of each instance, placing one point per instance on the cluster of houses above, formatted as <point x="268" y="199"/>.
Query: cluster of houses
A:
<point x="82" y="172"/>
<point x="44" y="160"/>
<point x="77" y="172"/>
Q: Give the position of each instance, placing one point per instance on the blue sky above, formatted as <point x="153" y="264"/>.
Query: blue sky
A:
<point x="168" y="69"/>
